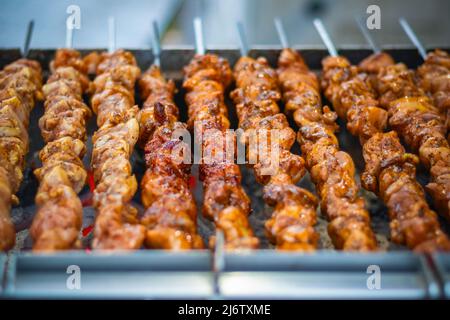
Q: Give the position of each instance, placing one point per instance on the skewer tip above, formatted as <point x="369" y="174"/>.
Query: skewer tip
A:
<point x="28" y="37"/>
<point x="199" y="39"/>
<point x="413" y="37"/>
<point x="281" y="32"/>
<point x="156" y="44"/>
<point x="366" y="34"/>
<point x="111" y="34"/>
<point x="325" y="37"/>
<point x="242" y="38"/>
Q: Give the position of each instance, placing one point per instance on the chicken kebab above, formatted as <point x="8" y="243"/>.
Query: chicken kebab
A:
<point x="269" y="139"/>
<point x="332" y="170"/>
<point x="415" y="118"/>
<point x="58" y="220"/>
<point x="117" y="225"/>
<point x="20" y="88"/>
<point x="171" y="213"/>
<point x="225" y="201"/>
<point x="389" y="172"/>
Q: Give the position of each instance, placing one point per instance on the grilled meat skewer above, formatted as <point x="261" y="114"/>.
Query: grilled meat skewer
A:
<point x="116" y="225"/>
<point x="20" y="87"/>
<point x="332" y="170"/>
<point x="225" y="201"/>
<point x="171" y="214"/>
<point x="417" y="121"/>
<point x="63" y="127"/>
<point x="390" y="171"/>
<point x="291" y="226"/>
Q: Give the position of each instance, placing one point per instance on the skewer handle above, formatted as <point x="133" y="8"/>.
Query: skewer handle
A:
<point x="413" y="37"/>
<point x="111" y="34"/>
<point x="28" y="36"/>
<point x="156" y="45"/>
<point x="198" y="33"/>
<point x="325" y="37"/>
<point x="369" y="39"/>
<point x="281" y="33"/>
<point x="242" y="39"/>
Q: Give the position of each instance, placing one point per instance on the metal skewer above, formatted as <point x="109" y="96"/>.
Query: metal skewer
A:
<point x="413" y="37"/>
<point x="111" y="34"/>
<point x="198" y="33"/>
<point x="28" y="36"/>
<point x="242" y="39"/>
<point x="69" y="36"/>
<point x="156" y="44"/>
<point x="325" y="37"/>
<point x="369" y="39"/>
<point x="281" y="33"/>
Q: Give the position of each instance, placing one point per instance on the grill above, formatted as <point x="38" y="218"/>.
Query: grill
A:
<point x="264" y="273"/>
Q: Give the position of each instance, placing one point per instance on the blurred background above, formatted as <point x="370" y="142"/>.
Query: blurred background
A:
<point x="133" y="19"/>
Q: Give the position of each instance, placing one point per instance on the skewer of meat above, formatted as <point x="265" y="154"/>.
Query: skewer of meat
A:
<point x="225" y="201"/>
<point x="331" y="169"/>
<point x="416" y="120"/>
<point x="433" y="76"/>
<point x="171" y="214"/>
<point x="291" y="226"/>
<point x="20" y="88"/>
<point x="116" y="225"/>
<point x="389" y="171"/>
<point x="57" y="223"/>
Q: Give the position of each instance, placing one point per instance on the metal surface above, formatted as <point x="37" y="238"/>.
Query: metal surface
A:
<point x="263" y="274"/>
<point x="111" y="34"/>
<point x="326" y="275"/>
<point x="198" y="32"/>
<point x="156" y="44"/>
<point x="243" y="43"/>
<point x="28" y="36"/>
<point x="136" y="275"/>
<point x="442" y="263"/>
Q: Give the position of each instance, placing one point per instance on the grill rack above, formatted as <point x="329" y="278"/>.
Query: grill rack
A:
<point x="264" y="273"/>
